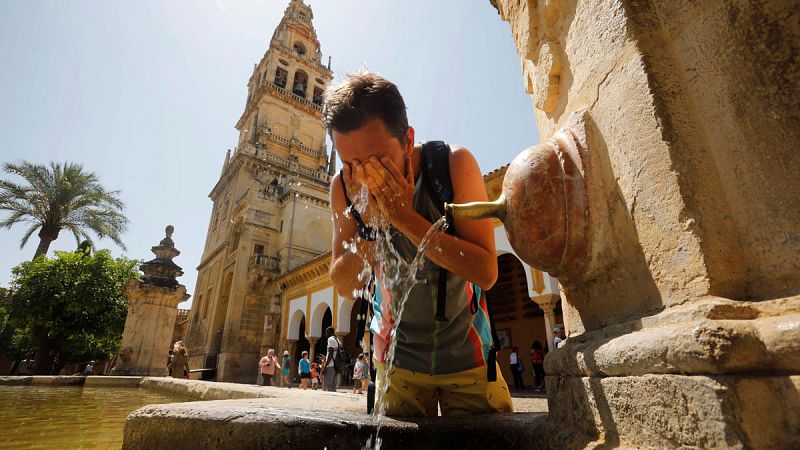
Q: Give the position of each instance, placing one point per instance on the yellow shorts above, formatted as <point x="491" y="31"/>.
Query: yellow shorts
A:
<point x="414" y="394"/>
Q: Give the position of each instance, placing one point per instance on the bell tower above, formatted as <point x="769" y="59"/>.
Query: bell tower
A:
<point x="271" y="211"/>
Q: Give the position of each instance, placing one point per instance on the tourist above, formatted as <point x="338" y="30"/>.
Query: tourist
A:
<point x="537" y="363"/>
<point x="179" y="366"/>
<point x="330" y="369"/>
<point x="267" y="367"/>
<point x="304" y="369"/>
<point x="27" y="366"/>
<point x="89" y="369"/>
<point x="559" y="336"/>
<point x="443" y="359"/>
<point x="321" y="370"/>
<point x="314" y="375"/>
<point x="516" y="368"/>
<point x="360" y="374"/>
<point x="287" y="360"/>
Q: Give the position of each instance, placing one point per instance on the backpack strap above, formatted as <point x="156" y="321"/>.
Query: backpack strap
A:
<point x="436" y="179"/>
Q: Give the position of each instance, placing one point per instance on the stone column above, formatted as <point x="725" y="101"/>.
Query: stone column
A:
<point x="152" y="309"/>
<point x="548" y="304"/>
<point x="312" y="341"/>
<point x="666" y="187"/>
<point x="292" y="350"/>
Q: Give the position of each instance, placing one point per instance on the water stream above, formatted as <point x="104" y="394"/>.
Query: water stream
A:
<point x="401" y="276"/>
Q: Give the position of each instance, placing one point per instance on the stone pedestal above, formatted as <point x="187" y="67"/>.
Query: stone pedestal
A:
<point x="152" y="309"/>
<point x="678" y="123"/>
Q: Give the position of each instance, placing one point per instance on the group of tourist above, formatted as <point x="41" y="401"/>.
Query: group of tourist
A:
<point x="326" y="370"/>
<point x="537" y="354"/>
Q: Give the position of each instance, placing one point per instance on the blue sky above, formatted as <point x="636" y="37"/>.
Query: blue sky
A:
<point x="146" y="93"/>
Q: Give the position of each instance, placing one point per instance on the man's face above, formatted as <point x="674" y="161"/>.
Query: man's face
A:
<point x="372" y="139"/>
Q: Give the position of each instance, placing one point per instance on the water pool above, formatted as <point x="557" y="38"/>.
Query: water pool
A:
<point x="69" y="416"/>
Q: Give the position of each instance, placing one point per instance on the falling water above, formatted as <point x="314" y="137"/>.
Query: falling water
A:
<point x="401" y="277"/>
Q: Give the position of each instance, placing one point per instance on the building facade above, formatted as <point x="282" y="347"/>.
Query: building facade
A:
<point x="271" y="210"/>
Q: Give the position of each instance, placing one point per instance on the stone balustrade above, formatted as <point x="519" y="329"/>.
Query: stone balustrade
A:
<point x="266" y="262"/>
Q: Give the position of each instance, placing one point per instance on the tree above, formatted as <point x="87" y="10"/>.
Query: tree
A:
<point x="60" y="197"/>
<point x="71" y="305"/>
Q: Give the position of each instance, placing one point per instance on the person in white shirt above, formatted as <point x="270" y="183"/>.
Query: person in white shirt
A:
<point x="516" y="368"/>
<point x="559" y="332"/>
<point x="330" y="371"/>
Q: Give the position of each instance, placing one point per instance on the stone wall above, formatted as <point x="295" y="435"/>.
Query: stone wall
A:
<point x="689" y="114"/>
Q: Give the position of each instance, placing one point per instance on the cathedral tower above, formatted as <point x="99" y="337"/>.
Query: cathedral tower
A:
<point x="271" y="210"/>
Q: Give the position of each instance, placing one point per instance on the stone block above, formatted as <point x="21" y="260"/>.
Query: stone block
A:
<point x="256" y="424"/>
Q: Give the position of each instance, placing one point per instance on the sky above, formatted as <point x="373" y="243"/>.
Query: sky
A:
<point x="145" y="94"/>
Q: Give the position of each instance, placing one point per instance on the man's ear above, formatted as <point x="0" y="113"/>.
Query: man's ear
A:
<point x="409" y="140"/>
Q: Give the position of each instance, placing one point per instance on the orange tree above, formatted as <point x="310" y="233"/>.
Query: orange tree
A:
<point x="71" y="305"/>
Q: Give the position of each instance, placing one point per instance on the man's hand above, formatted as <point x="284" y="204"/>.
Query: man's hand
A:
<point x="390" y="190"/>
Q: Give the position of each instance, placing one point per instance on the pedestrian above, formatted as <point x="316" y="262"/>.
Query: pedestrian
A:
<point x="330" y="369"/>
<point x="89" y="369"/>
<point x="314" y="375"/>
<point x="537" y="362"/>
<point x="516" y="368"/>
<point x="360" y="374"/>
<point x="267" y="366"/>
<point x="559" y="336"/>
<point x="287" y="360"/>
<point x="304" y="369"/>
<point x="179" y="367"/>
<point x="454" y="370"/>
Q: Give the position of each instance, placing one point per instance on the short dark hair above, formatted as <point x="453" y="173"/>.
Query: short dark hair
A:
<point x="330" y="331"/>
<point x="361" y="97"/>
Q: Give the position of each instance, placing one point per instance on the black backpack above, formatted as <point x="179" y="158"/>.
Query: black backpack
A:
<point x="436" y="179"/>
<point x="340" y="359"/>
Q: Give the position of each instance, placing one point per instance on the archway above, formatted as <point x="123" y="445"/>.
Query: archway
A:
<point x="518" y="320"/>
<point x="302" y="345"/>
<point x="220" y="315"/>
<point x="321" y="347"/>
<point x="300" y="83"/>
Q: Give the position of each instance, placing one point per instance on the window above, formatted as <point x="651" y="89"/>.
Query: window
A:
<point x="258" y="250"/>
<point x="301" y="16"/>
<point x="317" y="99"/>
<point x="280" y="77"/>
<point x="300" y="83"/>
<point x="300" y="48"/>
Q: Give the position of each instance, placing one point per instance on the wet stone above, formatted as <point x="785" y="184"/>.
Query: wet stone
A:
<point x="254" y="423"/>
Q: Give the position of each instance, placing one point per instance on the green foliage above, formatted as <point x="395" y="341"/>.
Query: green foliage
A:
<point x="60" y="197"/>
<point x="76" y="297"/>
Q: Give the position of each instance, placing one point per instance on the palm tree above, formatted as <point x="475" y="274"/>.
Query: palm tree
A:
<point x="60" y="197"/>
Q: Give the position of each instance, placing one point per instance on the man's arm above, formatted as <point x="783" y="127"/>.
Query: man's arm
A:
<point x="471" y="252"/>
<point x="345" y="264"/>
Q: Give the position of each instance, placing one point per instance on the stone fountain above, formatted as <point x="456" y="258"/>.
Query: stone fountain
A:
<point x="665" y="201"/>
<point x="152" y="308"/>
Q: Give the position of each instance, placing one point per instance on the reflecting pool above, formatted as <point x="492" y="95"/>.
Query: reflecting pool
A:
<point x="54" y="417"/>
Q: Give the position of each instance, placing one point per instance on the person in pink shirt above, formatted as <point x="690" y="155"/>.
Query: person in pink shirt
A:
<point x="267" y="365"/>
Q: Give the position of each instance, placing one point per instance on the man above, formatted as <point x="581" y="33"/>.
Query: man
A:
<point x="89" y="369"/>
<point x="439" y="362"/>
<point x="330" y="369"/>
<point x="559" y="336"/>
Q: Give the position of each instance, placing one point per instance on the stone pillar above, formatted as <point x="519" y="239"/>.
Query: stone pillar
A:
<point x="548" y="304"/>
<point x="668" y="180"/>
<point x="152" y="309"/>
<point x="292" y="350"/>
<point x="312" y="341"/>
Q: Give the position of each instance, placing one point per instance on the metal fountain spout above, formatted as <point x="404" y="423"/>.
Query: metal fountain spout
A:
<point x="543" y="205"/>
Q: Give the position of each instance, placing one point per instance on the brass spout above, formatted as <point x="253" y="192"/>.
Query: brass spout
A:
<point x="477" y="210"/>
